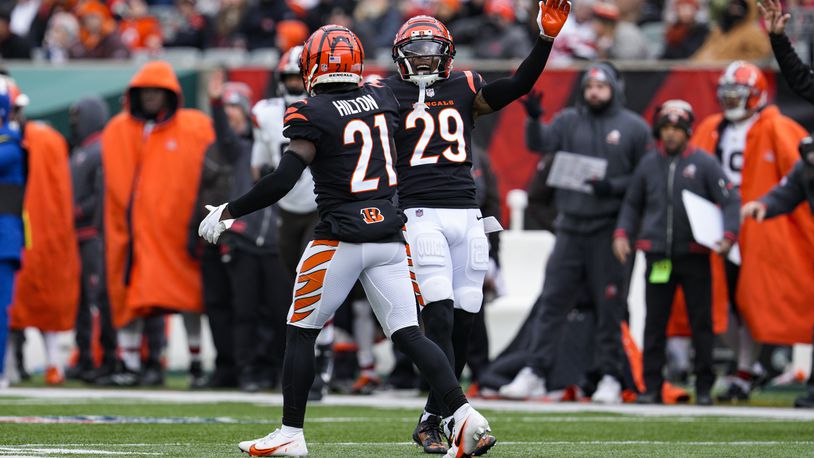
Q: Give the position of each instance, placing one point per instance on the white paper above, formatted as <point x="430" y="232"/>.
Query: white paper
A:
<point x="571" y="171"/>
<point x="491" y="224"/>
<point x="707" y="223"/>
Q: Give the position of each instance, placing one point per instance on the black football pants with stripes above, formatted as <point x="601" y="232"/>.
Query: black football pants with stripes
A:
<point x="575" y="259"/>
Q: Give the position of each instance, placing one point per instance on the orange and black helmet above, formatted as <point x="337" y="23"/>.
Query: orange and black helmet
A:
<point x="332" y="54"/>
<point x="423" y="41"/>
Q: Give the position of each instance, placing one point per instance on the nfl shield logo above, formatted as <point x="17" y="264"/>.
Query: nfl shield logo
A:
<point x="430" y="92"/>
<point x="419" y="213"/>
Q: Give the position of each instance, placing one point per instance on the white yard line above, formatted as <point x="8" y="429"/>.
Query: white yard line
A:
<point x="388" y="400"/>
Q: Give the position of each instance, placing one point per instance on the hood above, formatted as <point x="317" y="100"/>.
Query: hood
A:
<point x="91" y="116"/>
<point x="154" y="74"/>
<point x="609" y="73"/>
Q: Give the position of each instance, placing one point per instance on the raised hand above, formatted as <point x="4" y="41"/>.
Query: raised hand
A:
<point x="533" y="104"/>
<point x="772" y="12"/>
<point x="552" y="16"/>
<point x="216" y="82"/>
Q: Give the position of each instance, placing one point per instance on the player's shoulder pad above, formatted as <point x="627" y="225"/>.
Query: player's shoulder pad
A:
<point x="297" y="112"/>
<point x="473" y="79"/>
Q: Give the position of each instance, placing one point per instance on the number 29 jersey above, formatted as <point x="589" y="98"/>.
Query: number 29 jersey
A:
<point x="434" y="153"/>
<point x="352" y="133"/>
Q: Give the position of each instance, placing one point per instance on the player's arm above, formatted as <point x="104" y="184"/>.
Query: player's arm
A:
<point x="277" y="184"/>
<point x="497" y="94"/>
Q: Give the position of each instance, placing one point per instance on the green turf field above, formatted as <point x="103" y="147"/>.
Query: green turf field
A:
<point x="213" y="429"/>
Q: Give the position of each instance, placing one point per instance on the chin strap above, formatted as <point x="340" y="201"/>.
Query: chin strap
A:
<point x="420" y="105"/>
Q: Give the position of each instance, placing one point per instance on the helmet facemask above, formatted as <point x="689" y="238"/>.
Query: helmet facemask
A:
<point x="734" y="99"/>
<point x="423" y="60"/>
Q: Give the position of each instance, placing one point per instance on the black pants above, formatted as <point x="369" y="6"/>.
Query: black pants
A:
<point x="94" y="294"/>
<point x="478" y="355"/>
<point x="575" y="259"/>
<point x="296" y="230"/>
<point x="261" y="295"/>
<point x="217" y="296"/>
<point x="692" y="272"/>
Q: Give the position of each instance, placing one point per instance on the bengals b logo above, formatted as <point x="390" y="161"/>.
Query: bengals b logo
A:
<point x="372" y="215"/>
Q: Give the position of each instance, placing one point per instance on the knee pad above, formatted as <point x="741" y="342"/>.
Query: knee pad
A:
<point x="435" y="288"/>
<point x="469" y="299"/>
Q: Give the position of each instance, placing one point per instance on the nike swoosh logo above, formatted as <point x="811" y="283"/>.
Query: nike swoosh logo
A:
<point x="254" y="451"/>
<point x="286" y="127"/>
<point x="479" y="217"/>
<point x="460" y="438"/>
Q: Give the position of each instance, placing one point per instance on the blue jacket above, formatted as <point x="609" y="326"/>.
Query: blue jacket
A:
<point x="12" y="185"/>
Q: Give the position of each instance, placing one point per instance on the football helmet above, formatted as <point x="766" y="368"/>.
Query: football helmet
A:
<point x="289" y="65"/>
<point x="742" y="90"/>
<point x="332" y="54"/>
<point x="423" y="50"/>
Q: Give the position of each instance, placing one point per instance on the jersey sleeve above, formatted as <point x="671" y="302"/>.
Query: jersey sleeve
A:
<point x="299" y="123"/>
<point x="474" y="80"/>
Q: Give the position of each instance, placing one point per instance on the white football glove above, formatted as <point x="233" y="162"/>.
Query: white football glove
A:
<point x="212" y="227"/>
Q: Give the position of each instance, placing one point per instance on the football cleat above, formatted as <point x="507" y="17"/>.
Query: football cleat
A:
<point x="54" y="376"/>
<point x="428" y="435"/>
<point x="525" y="385"/>
<point x="276" y="444"/>
<point x="471" y="435"/>
<point x="366" y="384"/>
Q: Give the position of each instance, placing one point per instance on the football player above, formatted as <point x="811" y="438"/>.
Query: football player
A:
<point x="445" y="228"/>
<point x="343" y="133"/>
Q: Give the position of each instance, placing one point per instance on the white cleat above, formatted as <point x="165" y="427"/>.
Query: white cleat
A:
<point x="525" y="385"/>
<point x="609" y="391"/>
<point x="471" y="436"/>
<point x="276" y="444"/>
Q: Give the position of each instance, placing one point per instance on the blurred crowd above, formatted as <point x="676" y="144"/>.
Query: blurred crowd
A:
<point x="701" y="30"/>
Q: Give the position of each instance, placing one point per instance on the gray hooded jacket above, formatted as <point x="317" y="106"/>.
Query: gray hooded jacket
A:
<point x="794" y="189"/>
<point x="616" y="134"/>
<point x="91" y="115"/>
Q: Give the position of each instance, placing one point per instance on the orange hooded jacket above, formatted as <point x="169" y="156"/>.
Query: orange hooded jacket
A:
<point x="151" y="186"/>
<point x="775" y="290"/>
<point x="47" y="287"/>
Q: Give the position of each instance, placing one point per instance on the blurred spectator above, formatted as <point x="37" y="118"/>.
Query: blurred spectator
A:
<point x="290" y="33"/>
<point x="794" y="189"/>
<point x="495" y="35"/>
<point x="62" y="34"/>
<point x="380" y="17"/>
<point x="189" y="28"/>
<point x="152" y="154"/>
<point x="12" y="231"/>
<point x="577" y="38"/>
<point x="260" y="285"/>
<point x="616" y="38"/>
<point x="12" y="46"/>
<point x="139" y="30"/>
<point x="735" y="36"/>
<point x="259" y="23"/>
<point x="45" y="297"/>
<point x="653" y="215"/>
<point x="684" y="36"/>
<point x="226" y="27"/>
<point x="629" y="10"/>
<point x="757" y="146"/>
<point x="87" y="119"/>
<point x="22" y="16"/>
<point x="47" y="9"/>
<point x="541" y="210"/>
<point x="585" y="224"/>
<point x="98" y="37"/>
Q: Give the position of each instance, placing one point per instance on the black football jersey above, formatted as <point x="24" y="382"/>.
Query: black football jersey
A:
<point x="352" y="133"/>
<point x="434" y="146"/>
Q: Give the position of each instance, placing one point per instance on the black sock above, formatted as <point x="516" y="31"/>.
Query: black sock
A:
<point x="298" y="373"/>
<point x="461" y="331"/>
<point x="438" y="323"/>
<point x="430" y="361"/>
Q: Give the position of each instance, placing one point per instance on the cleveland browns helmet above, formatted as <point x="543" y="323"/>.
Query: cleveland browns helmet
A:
<point x="742" y="90"/>
<point x="332" y="54"/>
<point x="423" y="50"/>
<point x="288" y="66"/>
